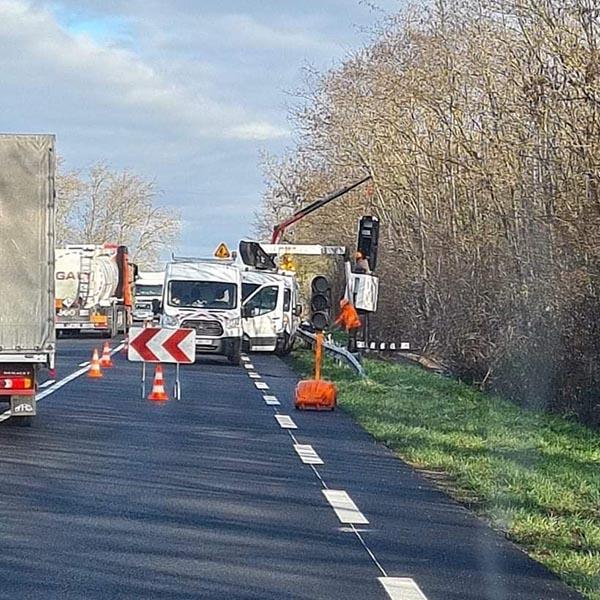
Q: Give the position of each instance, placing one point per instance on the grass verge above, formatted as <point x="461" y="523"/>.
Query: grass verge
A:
<point x="534" y="476"/>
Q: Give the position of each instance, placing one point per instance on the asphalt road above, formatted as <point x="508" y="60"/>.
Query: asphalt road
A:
<point x="111" y="496"/>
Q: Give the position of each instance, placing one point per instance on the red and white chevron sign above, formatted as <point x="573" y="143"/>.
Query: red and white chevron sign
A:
<point x="161" y="345"/>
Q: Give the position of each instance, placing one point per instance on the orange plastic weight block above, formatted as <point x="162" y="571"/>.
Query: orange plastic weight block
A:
<point x="315" y="394"/>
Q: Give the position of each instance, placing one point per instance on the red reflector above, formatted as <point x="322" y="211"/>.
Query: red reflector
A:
<point x="15" y="383"/>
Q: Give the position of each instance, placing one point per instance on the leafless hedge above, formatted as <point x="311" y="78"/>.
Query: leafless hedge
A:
<point x="479" y="121"/>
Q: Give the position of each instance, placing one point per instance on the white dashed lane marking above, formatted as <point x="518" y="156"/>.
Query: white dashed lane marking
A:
<point x="307" y="454"/>
<point x="286" y="422"/>
<point x="261" y="385"/>
<point x="249" y="366"/>
<point x="271" y="400"/>
<point x="245" y="359"/>
<point x="344" y="507"/>
<point x="402" y="588"/>
<point x="254" y="375"/>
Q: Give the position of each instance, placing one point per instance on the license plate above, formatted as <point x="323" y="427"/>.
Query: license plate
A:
<point x="205" y="341"/>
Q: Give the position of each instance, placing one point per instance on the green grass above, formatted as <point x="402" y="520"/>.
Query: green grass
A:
<point x="534" y="476"/>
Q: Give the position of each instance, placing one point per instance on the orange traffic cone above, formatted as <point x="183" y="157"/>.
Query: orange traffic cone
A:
<point x="95" y="371"/>
<point x="158" y="393"/>
<point x="106" y="360"/>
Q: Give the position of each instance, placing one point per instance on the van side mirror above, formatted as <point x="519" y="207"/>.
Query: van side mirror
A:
<point x="156" y="306"/>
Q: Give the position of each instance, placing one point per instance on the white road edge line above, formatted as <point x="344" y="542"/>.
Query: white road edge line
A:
<point x="402" y="588"/>
<point x="62" y="382"/>
<point x="308" y="455"/>
<point x="344" y="507"/>
<point x="286" y="422"/>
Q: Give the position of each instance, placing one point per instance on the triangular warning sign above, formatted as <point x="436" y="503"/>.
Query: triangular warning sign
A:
<point x="222" y="251"/>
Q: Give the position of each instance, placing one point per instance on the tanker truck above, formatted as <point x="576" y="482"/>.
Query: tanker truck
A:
<point x="94" y="289"/>
<point x="27" y="335"/>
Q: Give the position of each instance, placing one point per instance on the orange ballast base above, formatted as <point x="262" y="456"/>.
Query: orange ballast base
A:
<point x="315" y="394"/>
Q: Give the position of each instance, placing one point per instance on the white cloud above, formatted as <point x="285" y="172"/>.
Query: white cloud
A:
<point x="114" y="83"/>
<point x="256" y="131"/>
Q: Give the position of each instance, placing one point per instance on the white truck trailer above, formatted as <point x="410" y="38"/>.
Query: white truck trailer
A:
<point x="94" y="289"/>
<point x="27" y="334"/>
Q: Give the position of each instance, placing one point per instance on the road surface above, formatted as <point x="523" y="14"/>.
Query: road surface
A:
<point x="219" y="495"/>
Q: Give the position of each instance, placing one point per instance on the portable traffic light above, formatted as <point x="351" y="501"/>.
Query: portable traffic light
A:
<point x="320" y="303"/>
<point x="368" y="239"/>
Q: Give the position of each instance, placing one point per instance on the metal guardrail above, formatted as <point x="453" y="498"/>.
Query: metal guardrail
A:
<point x="338" y="352"/>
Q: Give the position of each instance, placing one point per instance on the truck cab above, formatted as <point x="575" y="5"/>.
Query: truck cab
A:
<point x="205" y="295"/>
<point x="271" y="313"/>
<point x="148" y="294"/>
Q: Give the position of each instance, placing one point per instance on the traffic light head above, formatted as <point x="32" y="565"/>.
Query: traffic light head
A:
<point x="320" y="303"/>
<point x="368" y="239"/>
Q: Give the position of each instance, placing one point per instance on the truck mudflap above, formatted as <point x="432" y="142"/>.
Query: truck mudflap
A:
<point x="23" y="406"/>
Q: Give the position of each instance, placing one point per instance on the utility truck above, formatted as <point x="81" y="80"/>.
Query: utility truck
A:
<point x="270" y="311"/>
<point x="94" y="289"/>
<point x="205" y="295"/>
<point x="148" y="295"/>
<point x="27" y="334"/>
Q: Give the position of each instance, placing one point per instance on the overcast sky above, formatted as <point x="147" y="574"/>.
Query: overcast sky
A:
<point x="184" y="91"/>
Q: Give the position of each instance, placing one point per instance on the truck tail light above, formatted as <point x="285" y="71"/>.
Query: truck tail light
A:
<point x="16" y="383"/>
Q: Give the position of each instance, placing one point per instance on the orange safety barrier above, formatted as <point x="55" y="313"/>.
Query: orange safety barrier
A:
<point x="316" y="393"/>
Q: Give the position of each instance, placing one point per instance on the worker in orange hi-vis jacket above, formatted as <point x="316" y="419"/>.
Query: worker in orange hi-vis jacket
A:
<point x="348" y="317"/>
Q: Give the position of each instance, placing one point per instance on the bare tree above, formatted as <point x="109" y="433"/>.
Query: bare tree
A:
<point x="116" y="207"/>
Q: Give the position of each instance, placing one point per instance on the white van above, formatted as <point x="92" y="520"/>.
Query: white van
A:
<point x="148" y="292"/>
<point x="271" y="313"/>
<point x="205" y="295"/>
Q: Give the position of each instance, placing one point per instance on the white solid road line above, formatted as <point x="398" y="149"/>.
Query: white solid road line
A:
<point x="58" y="384"/>
<point x="307" y="454"/>
<point x="47" y="383"/>
<point x="271" y="400"/>
<point x="344" y="507"/>
<point x="286" y="422"/>
<point x="261" y="385"/>
<point x="84" y="364"/>
<point x="402" y="588"/>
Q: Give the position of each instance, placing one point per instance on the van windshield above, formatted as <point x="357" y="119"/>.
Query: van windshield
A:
<point x="202" y="294"/>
